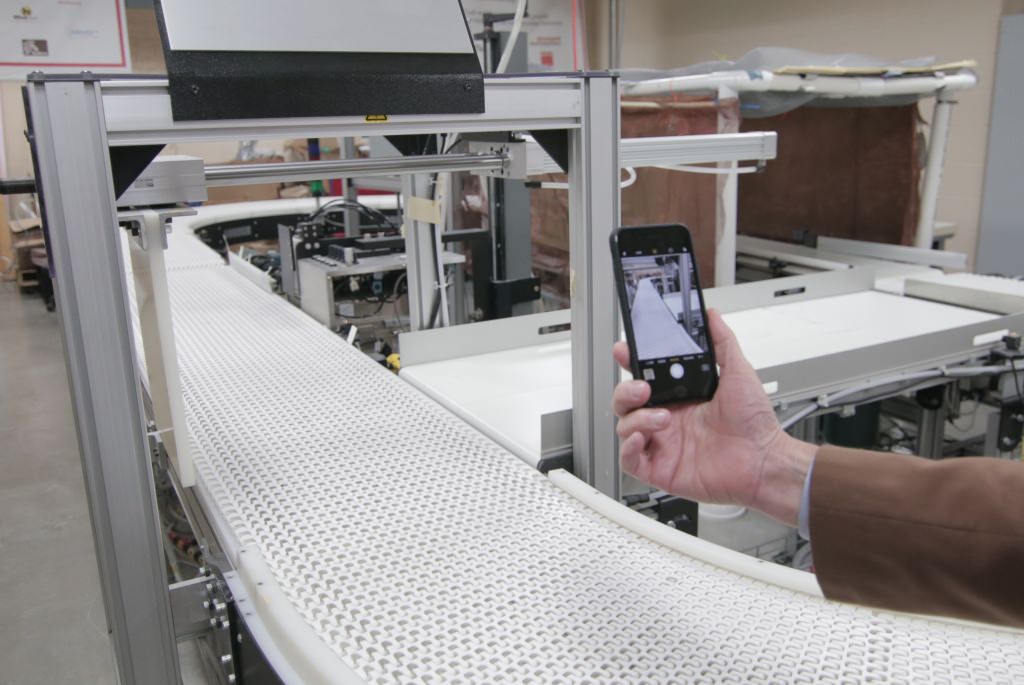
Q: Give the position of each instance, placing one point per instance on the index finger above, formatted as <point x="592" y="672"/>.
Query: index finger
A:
<point x="620" y="351"/>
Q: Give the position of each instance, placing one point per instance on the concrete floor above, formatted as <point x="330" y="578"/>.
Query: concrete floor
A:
<point x="53" y="628"/>
<point x="52" y="624"/>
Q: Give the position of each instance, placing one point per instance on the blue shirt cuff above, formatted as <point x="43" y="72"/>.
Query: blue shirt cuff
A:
<point x="803" y="518"/>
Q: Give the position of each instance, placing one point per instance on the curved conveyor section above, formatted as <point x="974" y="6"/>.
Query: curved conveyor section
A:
<point x="389" y="542"/>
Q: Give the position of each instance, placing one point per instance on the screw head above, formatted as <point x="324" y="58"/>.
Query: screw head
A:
<point x="194" y="88"/>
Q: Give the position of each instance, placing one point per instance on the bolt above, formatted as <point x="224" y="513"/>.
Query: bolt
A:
<point x="225" y="658"/>
<point x="467" y="86"/>
<point x="194" y="88"/>
<point x="206" y="604"/>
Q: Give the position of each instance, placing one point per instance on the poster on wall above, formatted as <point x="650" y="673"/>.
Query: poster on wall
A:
<point x="62" y="36"/>
<point x="554" y="30"/>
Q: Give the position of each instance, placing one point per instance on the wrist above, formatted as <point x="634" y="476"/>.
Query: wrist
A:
<point x="784" y="471"/>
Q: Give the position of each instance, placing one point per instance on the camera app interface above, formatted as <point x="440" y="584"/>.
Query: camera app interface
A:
<point x="664" y="307"/>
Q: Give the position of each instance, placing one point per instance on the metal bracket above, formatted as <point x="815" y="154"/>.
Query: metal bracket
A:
<point x="679" y="513"/>
<point x="135" y="219"/>
<point x="202" y="609"/>
<point x="514" y="154"/>
<point x="555" y="441"/>
<point x="198" y="605"/>
<point x="507" y="294"/>
<point x="1011" y="423"/>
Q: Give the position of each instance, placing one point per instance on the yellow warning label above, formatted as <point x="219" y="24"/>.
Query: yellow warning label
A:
<point x="376" y="118"/>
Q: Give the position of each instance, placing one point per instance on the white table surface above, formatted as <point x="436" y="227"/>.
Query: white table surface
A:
<point x="504" y="394"/>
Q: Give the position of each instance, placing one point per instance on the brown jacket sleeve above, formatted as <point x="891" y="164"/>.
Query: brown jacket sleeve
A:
<point x="910" y="534"/>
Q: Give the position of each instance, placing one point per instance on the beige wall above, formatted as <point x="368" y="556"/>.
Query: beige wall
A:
<point x="673" y="33"/>
<point x="670" y="33"/>
<point x="147" y="58"/>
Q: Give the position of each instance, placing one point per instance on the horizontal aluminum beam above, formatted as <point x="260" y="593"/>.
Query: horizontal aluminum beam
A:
<point x="895" y="253"/>
<point x="138" y="112"/>
<point x="670" y="150"/>
<point x="243" y="174"/>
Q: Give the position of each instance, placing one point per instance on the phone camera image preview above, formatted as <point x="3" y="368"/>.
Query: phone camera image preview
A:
<point x="664" y="306"/>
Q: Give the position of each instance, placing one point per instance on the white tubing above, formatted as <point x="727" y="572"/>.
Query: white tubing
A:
<point x="708" y="552"/>
<point x="717" y="171"/>
<point x="517" y="25"/>
<point x="942" y="113"/>
<point x="558" y="185"/>
<point x="631" y="177"/>
<point x="830" y="400"/>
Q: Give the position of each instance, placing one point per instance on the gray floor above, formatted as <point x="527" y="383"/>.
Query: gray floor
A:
<point x="53" y="628"/>
<point x="52" y="625"/>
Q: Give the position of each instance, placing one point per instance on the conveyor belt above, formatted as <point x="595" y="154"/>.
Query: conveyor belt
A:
<point x="412" y="549"/>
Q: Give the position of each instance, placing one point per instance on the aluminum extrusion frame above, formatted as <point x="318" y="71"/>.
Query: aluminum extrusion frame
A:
<point x="75" y="121"/>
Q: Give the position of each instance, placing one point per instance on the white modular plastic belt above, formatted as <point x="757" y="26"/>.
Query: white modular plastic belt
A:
<point x="398" y="545"/>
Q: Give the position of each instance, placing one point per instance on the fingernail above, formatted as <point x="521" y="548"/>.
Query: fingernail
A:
<point x="661" y="419"/>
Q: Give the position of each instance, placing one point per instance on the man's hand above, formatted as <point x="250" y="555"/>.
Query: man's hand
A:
<point x="729" y="450"/>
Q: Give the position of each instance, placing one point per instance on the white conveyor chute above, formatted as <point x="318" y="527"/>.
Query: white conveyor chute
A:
<point x="761" y="81"/>
<point x="940" y="84"/>
<point x="394" y="543"/>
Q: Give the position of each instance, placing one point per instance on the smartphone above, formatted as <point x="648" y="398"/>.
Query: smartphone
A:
<point x="663" y="311"/>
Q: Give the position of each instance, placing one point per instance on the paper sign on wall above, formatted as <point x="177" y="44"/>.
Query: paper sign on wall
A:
<point x="62" y="36"/>
<point x="553" y="28"/>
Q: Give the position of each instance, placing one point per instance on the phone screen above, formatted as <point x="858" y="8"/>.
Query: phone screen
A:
<point x="667" y="328"/>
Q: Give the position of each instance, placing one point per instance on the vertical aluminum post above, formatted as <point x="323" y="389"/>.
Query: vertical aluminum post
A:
<point x="594" y="213"/>
<point x="728" y="200"/>
<point x="419" y="250"/>
<point x="614" y="34"/>
<point x="931" y="431"/>
<point x="933" y="169"/>
<point x="74" y="176"/>
<point x="347" y="150"/>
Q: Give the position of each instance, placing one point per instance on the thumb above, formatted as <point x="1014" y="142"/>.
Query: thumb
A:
<point x="727" y="349"/>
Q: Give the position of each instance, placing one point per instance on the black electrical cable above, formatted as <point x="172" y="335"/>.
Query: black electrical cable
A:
<point x="435" y="309"/>
<point x="1016" y="381"/>
<point x="383" y="220"/>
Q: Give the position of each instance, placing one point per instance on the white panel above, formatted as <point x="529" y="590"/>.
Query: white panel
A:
<point x="398" y="26"/>
<point x="505" y="393"/>
<point x="1001" y="235"/>
<point x="787" y="333"/>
